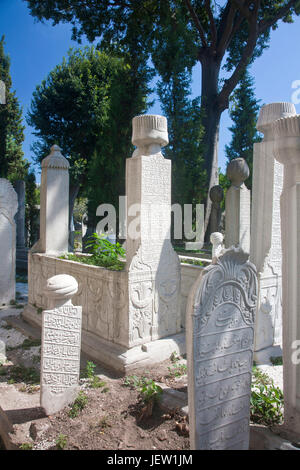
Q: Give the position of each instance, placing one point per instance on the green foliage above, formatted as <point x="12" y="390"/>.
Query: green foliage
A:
<point x="148" y="389"/>
<point x="12" y="164"/>
<point x="177" y="370"/>
<point x="32" y="197"/>
<point x="61" y="441"/>
<point x="94" y="380"/>
<point x="104" y="254"/>
<point x="243" y="112"/>
<point x="79" y="404"/>
<point x="276" y="360"/>
<point x="26" y="446"/>
<point x="266" y="400"/>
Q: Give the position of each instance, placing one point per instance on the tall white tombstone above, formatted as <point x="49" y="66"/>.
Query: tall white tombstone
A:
<point x="8" y="209"/>
<point x="152" y="264"/>
<point x="220" y="334"/>
<point x="287" y="151"/>
<point x="61" y="341"/>
<point x="237" y="206"/>
<point x="266" y="234"/>
<point x="54" y="205"/>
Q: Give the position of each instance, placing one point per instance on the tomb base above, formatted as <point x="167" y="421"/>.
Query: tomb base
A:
<point x="263" y="355"/>
<point x="116" y="357"/>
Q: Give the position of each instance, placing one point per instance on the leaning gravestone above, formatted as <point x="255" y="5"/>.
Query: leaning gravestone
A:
<point x="8" y="208"/>
<point x="220" y="334"/>
<point x="61" y="341"/>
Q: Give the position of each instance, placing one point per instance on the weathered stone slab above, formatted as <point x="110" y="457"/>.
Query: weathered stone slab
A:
<point x="8" y="208"/>
<point x="61" y="342"/>
<point x="220" y="335"/>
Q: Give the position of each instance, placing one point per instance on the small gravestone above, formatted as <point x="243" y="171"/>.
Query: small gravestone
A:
<point x="61" y="340"/>
<point x="220" y="333"/>
<point x="8" y="209"/>
<point x="2" y="93"/>
<point x="2" y="352"/>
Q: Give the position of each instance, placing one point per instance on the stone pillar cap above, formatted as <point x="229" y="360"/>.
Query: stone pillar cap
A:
<point x="149" y="129"/>
<point x="216" y="238"/>
<point x="216" y="193"/>
<point x="238" y="171"/>
<point x="273" y="111"/>
<point x="55" y="159"/>
<point x="61" y="287"/>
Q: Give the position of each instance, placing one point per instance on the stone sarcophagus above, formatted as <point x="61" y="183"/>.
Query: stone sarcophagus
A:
<point x="220" y="336"/>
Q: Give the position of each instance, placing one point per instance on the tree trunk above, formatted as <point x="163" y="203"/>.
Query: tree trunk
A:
<point x="211" y="115"/>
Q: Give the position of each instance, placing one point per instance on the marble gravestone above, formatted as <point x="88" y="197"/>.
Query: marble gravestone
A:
<point x="8" y="209"/>
<point x="286" y="133"/>
<point x="61" y="343"/>
<point x="266" y="252"/>
<point x="220" y="335"/>
<point x="153" y="266"/>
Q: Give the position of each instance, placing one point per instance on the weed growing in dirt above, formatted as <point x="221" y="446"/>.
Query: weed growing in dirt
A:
<point x="78" y="405"/>
<point x="94" y="380"/>
<point x="26" y="446"/>
<point x="61" y="441"/>
<point x="177" y="370"/>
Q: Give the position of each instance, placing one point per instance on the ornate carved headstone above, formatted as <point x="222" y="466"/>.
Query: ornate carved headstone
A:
<point x="237" y="206"/>
<point x="220" y="334"/>
<point x="61" y="341"/>
<point x="266" y="251"/>
<point x="153" y="266"/>
<point x="287" y="151"/>
<point x="8" y="209"/>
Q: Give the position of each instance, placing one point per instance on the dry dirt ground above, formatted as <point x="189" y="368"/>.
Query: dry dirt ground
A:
<point x="110" y="413"/>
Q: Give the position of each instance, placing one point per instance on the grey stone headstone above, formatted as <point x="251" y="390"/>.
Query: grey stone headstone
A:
<point x="220" y="334"/>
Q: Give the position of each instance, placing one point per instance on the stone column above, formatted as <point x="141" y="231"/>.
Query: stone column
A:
<point x="54" y="206"/>
<point x="287" y="151"/>
<point x="19" y="187"/>
<point x="216" y="195"/>
<point x="8" y="209"/>
<point x="61" y="341"/>
<point x="237" y="206"/>
<point x="152" y="264"/>
<point x="219" y="335"/>
<point x="265" y="252"/>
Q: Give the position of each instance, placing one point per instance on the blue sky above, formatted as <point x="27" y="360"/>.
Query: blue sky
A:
<point x="35" y="49"/>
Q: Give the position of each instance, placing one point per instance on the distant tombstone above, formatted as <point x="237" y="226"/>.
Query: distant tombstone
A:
<point x="19" y="187"/>
<point x="2" y="352"/>
<point x="61" y="341"/>
<point x="2" y="93"/>
<point x="237" y="206"/>
<point x="216" y="195"/>
<point x="8" y="209"/>
<point x="220" y="334"/>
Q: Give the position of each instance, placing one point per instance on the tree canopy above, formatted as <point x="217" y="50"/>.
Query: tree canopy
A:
<point x="12" y="163"/>
<point x="226" y="36"/>
<point x="85" y="106"/>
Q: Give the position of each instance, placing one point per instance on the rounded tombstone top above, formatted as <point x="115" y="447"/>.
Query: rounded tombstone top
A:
<point x="216" y="193"/>
<point x="238" y="171"/>
<point x="149" y="129"/>
<point x="216" y="238"/>
<point x="287" y="139"/>
<point x="8" y="197"/>
<point x="271" y="112"/>
<point x="61" y="287"/>
<point x="55" y="159"/>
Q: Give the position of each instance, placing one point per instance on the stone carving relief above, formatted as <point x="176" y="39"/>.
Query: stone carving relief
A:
<point x="221" y="313"/>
